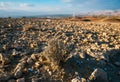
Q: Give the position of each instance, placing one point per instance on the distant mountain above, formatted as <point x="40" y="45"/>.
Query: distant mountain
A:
<point x="106" y="13"/>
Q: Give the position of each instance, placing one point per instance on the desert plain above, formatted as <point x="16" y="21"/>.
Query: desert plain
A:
<point x="79" y="49"/>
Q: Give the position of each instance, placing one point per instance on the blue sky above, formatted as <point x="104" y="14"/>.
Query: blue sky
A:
<point x="56" y="6"/>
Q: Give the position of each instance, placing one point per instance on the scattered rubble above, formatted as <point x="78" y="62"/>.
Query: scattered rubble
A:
<point x="52" y="50"/>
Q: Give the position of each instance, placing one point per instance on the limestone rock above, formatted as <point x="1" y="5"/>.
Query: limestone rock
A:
<point x="76" y="80"/>
<point x="18" y="73"/>
<point x="34" y="57"/>
<point x="4" y="60"/>
<point x="1" y="59"/>
<point x="21" y="80"/>
<point x="82" y="55"/>
<point x="37" y="64"/>
<point x="29" y="60"/>
<point x="18" y="69"/>
<point x="99" y="75"/>
<point x="79" y="80"/>
<point x="14" y="52"/>
<point x="20" y="66"/>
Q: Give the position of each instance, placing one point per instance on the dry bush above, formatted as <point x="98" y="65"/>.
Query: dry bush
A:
<point x="54" y="56"/>
<point x="56" y="52"/>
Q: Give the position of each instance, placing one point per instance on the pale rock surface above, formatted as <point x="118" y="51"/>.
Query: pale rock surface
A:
<point x="99" y="74"/>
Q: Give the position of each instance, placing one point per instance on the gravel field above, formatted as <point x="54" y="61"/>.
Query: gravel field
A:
<point x="59" y="50"/>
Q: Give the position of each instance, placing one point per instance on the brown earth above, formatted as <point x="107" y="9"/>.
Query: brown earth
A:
<point x="59" y="50"/>
<point x="112" y="19"/>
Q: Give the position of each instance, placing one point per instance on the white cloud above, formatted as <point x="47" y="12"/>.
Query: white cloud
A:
<point x="24" y="5"/>
<point x="5" y="4"/>
<point x="15" y="6"/>
<point x="67" y="0"/>
<point x="69" y="6"/>
<point x="27" y="7"/>
<point x="79" y="2"/>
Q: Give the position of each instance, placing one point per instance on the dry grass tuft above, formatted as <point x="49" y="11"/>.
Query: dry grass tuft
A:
<point x="56" y="52"/>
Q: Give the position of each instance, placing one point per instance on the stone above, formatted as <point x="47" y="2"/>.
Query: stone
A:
<point x="14" y="52"/>
<point x="117" y="64"/>
<point x="35" y="80"/>
<point x="6" y="77"/>
<point x="30" y="69"/>
<point x="50" y="73"/>
<point x="37" y="64"/>
<point x="4" y="60"/>
<point x="33" y="56"/>
<point x="99" y="74"/>
<point x="11" y="80"/>
<point x="1" y="59"/>
<point x="20" y="66"/>
<point x="31" y="45"/>
<point x="4" y="47"/>
<point x="18" y="73"/>
<point x="83" y="80"/>
<point x="21" y="80"/>
<point x="30" y="61"/>
<point x="104" y="46"/>
<point x="24" y="59"/>
<point x="82" y="55"/>
<point x="77" y="79"/>
<point x="9" y="25"/>
<point x="98" y="57"/>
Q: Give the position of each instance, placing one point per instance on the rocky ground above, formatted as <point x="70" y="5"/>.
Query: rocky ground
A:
<point x="59" y="50"/>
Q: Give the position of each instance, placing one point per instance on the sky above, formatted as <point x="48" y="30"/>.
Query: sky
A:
<point x="36" y="7"/>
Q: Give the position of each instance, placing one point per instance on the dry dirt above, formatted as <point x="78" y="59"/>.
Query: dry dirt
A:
<point x="59" y="50"/>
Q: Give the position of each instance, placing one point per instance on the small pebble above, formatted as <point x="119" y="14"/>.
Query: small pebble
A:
<point x="21" y="80"/>
<point x="12" y="80"/>
<point x="30" y="69"/>
<point x="18" y="73"/>
<point x="117" y="64"/>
